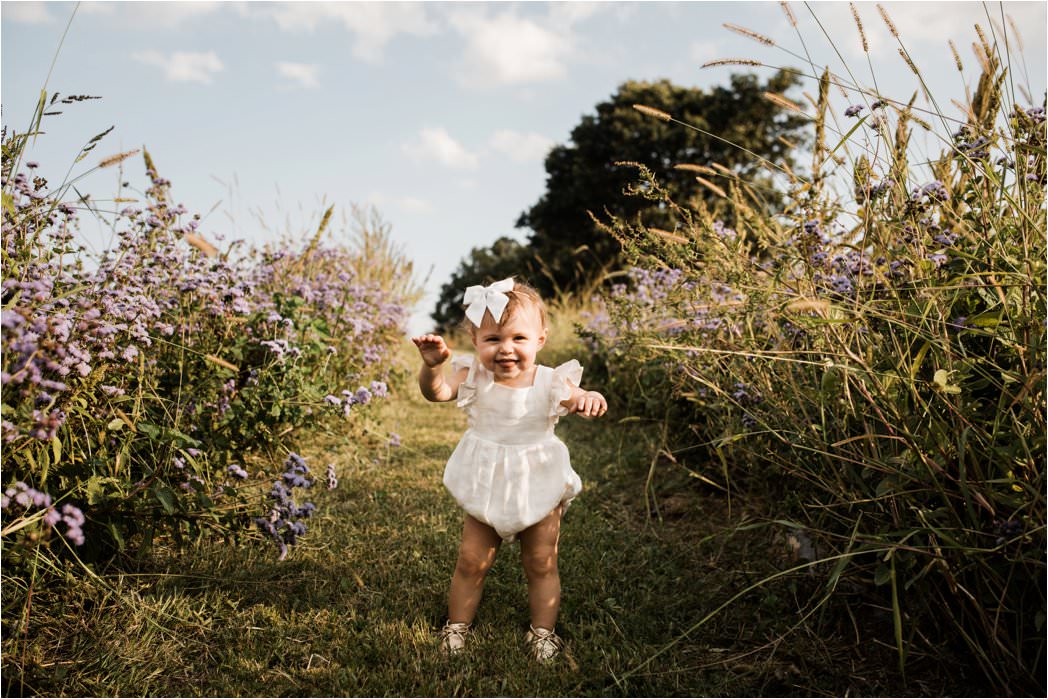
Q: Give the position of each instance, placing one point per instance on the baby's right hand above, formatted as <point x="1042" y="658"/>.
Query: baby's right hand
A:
<point x="432" y="348"/>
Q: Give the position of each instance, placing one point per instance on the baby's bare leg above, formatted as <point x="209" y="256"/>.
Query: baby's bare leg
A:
<point x="538" y="552"/>
<point x="477" y="552"/>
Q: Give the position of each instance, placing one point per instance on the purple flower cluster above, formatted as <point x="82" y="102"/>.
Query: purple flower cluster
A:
<point x="854" y="110"/>
<point x="286" y="520"/>
<point x="212" y="345"/>
<point x="975" y="148"/>
<point x="20" y="499"/>
<point x="62" y="323"/>
<point x="362" y="396"/>
<point x="237" y="471"/>
<point x="933" y="192"/>
<point x="1033" y="114"/>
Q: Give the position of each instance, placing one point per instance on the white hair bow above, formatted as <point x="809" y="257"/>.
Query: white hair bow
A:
<point x="491" y="298"/>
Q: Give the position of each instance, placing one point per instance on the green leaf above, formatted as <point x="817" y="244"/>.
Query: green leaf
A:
<point x="95" y="490"/>
<point x="151" y="431"/>
<point x="882" y="575"/>
<point x="166" y="497"/>
<point x="115" y="425"/>
<point x="117" y="536"/>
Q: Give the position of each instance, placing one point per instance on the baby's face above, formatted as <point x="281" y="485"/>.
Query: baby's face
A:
<point x="508" y="351"/>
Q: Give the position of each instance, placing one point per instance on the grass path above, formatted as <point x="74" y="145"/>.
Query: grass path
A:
<point x="354" y="609"/>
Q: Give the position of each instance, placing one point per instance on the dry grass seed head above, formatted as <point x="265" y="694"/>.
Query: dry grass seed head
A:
<point x="982" y="40"/>
<point x="956" y="56"/>
<point x="789" y="14"/>
<point x="749" y="33"/>
<point x="200" y="244"/>
<point x="888" y="20"/>
<point x="712" y="187"/>
<point x="733" y="62"/>
<point x="906" y="57"/>
<point x="1015" y="31"/>
<point x="858" y="23"/>
<point x="652" y="111"/>
<point x="964" y="108"/>
<point x="981" y="56"/>
<point x="695" y="168"/>
<point x="114" y="159"/>
<point x="667" y="235"/>
<point x="782" y="102"/>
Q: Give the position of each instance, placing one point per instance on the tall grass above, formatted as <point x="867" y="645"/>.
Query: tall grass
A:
<point x="873" y="358"/>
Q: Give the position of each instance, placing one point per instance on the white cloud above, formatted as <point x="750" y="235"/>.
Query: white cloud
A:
<point x="373" y="24"/>
<point x="27" y="12"/>
<point x="150" y="14"/>
<point x="437" y="144"/>
<point x="509" y="50"/>
<point x="304" y="74"/>
<point x="569" y="13"/>
<point x="521" y="147"/>
<point x="183" y="66"/>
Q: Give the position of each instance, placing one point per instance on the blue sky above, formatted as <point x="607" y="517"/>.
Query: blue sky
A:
<point x="438" y="114"/>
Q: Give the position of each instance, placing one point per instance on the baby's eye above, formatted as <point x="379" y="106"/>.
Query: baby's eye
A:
<point x="520" y="338"/>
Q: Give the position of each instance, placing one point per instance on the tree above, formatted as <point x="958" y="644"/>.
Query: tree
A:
<point x="583" y="177"/>
<point x="565" y="251"/>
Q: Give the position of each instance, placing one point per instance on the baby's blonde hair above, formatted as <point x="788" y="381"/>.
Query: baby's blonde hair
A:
<point x="522" y="296"/>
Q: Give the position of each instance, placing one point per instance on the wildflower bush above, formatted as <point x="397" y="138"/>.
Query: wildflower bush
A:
<point x="872" y="359"/>
<point x="160" y="390"/>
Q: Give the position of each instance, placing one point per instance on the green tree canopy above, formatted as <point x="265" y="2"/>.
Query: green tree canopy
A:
<point x="565" y="250"/>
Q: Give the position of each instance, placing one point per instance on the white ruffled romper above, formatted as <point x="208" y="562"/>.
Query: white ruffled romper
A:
<point x="509" y="470"/>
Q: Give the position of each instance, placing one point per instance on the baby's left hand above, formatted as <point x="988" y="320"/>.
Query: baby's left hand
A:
<point x="589" y="404"/>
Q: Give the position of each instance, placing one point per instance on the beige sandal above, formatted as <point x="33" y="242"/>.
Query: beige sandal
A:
<point x="543" y="644"/>
<point x="453" y="637"/>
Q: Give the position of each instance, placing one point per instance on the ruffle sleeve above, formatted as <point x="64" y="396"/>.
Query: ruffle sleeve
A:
<point x="570" y="371"/>
<point x="467" y="390"/>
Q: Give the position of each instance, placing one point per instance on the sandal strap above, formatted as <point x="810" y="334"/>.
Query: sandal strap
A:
<point x="543" y="639"/>
<point x="458" y="629"/>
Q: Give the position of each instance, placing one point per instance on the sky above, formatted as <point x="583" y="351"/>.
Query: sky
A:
<point x="438" y="115"/>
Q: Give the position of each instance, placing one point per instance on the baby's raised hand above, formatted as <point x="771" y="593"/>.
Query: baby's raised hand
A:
<point x="590" y="404"/>
<point x="433" y="349"/>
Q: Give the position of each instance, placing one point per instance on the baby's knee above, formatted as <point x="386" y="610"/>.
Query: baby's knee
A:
<point x="470" y="564"/>
<point x="540" y="563"/>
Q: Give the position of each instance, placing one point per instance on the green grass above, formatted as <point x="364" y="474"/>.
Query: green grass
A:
<point x="354" y="609"/>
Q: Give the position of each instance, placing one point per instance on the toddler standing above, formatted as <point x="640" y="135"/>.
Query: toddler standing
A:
<point x="509" y="472"/>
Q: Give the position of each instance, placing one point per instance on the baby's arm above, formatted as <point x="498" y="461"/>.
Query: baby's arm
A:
<point x="585" y="403"/>
<point x="431" y="381"/>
